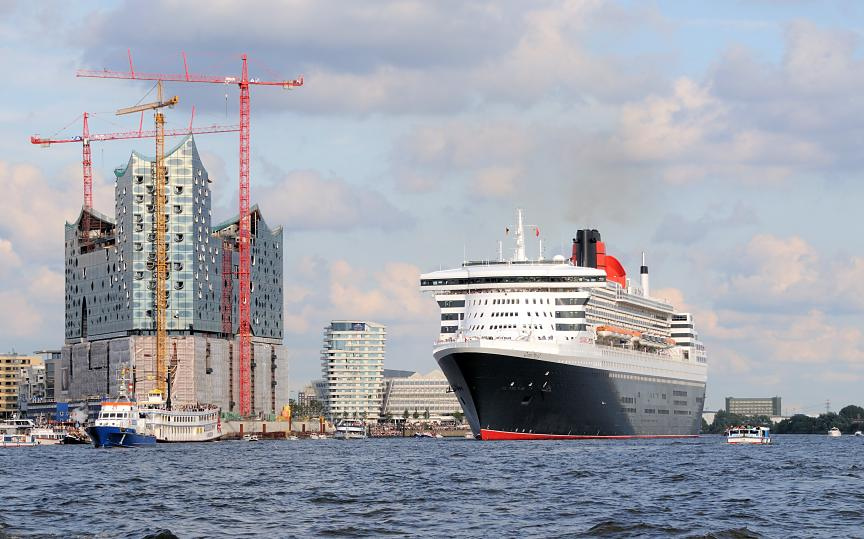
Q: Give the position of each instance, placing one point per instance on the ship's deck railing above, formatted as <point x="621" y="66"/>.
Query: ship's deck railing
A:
<point x="606" y="351"/>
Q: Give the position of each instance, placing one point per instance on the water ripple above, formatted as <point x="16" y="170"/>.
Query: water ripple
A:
<point x="804" y="486"/>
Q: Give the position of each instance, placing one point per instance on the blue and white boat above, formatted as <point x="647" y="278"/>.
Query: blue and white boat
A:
<point x="120" y="423"/>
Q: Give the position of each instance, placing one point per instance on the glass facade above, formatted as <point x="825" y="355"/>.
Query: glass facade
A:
<point x="110" y="275"/>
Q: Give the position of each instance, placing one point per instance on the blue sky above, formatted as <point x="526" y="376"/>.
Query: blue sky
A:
<point x="721" y="138"/>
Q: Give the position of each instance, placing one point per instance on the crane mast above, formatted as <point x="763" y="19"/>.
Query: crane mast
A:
<point x="158" y="174"/>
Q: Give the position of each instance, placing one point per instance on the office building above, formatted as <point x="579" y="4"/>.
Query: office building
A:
<point x="15" y="371"/>
<point x="411" y="392"/>
<point x="769" y="406"/>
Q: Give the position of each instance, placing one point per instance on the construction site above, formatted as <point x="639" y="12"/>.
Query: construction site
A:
<point x="193" y="309"/>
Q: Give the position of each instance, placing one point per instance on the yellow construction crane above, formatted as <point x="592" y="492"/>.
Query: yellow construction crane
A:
<point x="159" y="219"/>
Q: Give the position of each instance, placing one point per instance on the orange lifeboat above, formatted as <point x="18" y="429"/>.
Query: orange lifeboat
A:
<point x="621" y="333"/>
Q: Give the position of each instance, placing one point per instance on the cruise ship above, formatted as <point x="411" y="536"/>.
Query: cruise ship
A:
<point x="566" y="348"/>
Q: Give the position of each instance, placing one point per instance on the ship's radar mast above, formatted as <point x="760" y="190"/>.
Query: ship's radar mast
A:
<point x="520" y="237"/>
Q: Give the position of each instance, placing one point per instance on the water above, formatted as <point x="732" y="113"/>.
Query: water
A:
<point x="803" y="486"/>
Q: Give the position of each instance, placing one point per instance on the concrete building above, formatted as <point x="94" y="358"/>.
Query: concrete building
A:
<point x="769" y="406"/>
<point x="54" y="389"/>
<point x="352" y="361"/>
<point x="15" y="369"/>
<point x="110" y="293"/>
<point x="420" y="393"/>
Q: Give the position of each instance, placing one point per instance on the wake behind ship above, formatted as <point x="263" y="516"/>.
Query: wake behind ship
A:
<point x="566" y="348"/>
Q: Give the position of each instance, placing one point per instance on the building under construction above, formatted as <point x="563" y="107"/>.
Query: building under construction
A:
<point x="111" y="293"/>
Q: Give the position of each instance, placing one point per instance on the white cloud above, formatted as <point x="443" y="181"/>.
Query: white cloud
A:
<point x="305" y="200"/>
<point x="19" y="318"/>
<point x="36" y="209"/>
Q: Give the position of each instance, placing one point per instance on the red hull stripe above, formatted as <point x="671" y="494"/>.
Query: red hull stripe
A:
<point x="487" y="434"/>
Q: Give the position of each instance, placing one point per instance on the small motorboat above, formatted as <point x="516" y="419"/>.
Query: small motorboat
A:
<point x="859" y="433"/>
<point x="748" y="435"/>
<point x="834" y="432"/>
<point x="250" y="438"/>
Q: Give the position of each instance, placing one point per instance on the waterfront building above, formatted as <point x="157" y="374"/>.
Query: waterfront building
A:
<point x="54" y="387"/>
<point x="14" y="368"/>
<point x="769" y="406"/>
<point x="31" y="385"/>
<point x="418" y="393"/>
<point x="110" y="292"/>
<point x="352" y="362"/>
<point x="307" y="395"/>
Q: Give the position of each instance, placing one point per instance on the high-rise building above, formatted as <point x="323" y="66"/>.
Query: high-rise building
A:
<point x="15" y="370"/>
<point x="352" y="362"/>
<point x="769" y="406"/>
<point x="110" y="292"/>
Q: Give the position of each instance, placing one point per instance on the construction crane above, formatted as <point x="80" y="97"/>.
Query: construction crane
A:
<point x="244" y="235"/>
<point x="86" y="138"/>
<point x="159" y="219"/>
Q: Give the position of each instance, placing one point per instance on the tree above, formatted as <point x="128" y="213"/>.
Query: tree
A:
<point x="458" y="416"/>
<point x="852" y="412"/>
<point x="426" y="414"/>
<point x="405" y="414"/>
<point x="415" y="415"/>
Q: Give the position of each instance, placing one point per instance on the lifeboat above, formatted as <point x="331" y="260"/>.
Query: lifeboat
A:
<point x="620" y="333"/>
<point x="655" y="341"/>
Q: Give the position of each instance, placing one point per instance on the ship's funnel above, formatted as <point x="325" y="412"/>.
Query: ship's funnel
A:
<point x="585" y="248"/>
<point x="643" y="273"/>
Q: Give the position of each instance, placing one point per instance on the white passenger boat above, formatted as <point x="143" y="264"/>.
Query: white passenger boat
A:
<point x="180" y="423"/>
<point x="16" y="432"/>
<point x="48" y="435"/>
<point x="350" y="429"/>
<point x="16" y="425"/>
<point x="834" y="432"/>
<point x="748" y="435"/>
<point x="17" y="440"/>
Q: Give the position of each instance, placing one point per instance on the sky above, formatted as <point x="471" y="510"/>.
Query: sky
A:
<point x="721" y="138"/>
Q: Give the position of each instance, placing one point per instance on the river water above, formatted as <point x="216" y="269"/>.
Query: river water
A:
<point x="802" y="486"/>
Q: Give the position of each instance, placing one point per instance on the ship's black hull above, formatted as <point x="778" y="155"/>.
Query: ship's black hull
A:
<point x="508" y="397"/>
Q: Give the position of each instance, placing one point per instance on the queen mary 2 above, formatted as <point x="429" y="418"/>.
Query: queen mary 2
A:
<point x="566" y="348"/>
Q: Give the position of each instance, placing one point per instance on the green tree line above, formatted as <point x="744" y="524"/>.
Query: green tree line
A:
<point x="848" y="420"/>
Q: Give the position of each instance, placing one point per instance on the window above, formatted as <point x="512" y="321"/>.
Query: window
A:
<point x="178" y="208"/>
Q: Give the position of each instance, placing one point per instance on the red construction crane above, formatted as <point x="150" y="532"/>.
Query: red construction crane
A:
<point x="86" y="138"/>
<point x="244" y="236"/>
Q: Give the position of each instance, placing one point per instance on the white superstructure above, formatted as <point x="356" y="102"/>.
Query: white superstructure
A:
<point x="551" y="305"/>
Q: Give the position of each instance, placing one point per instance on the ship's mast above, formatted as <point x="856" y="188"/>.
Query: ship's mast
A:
<point x="520" y="237"/>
